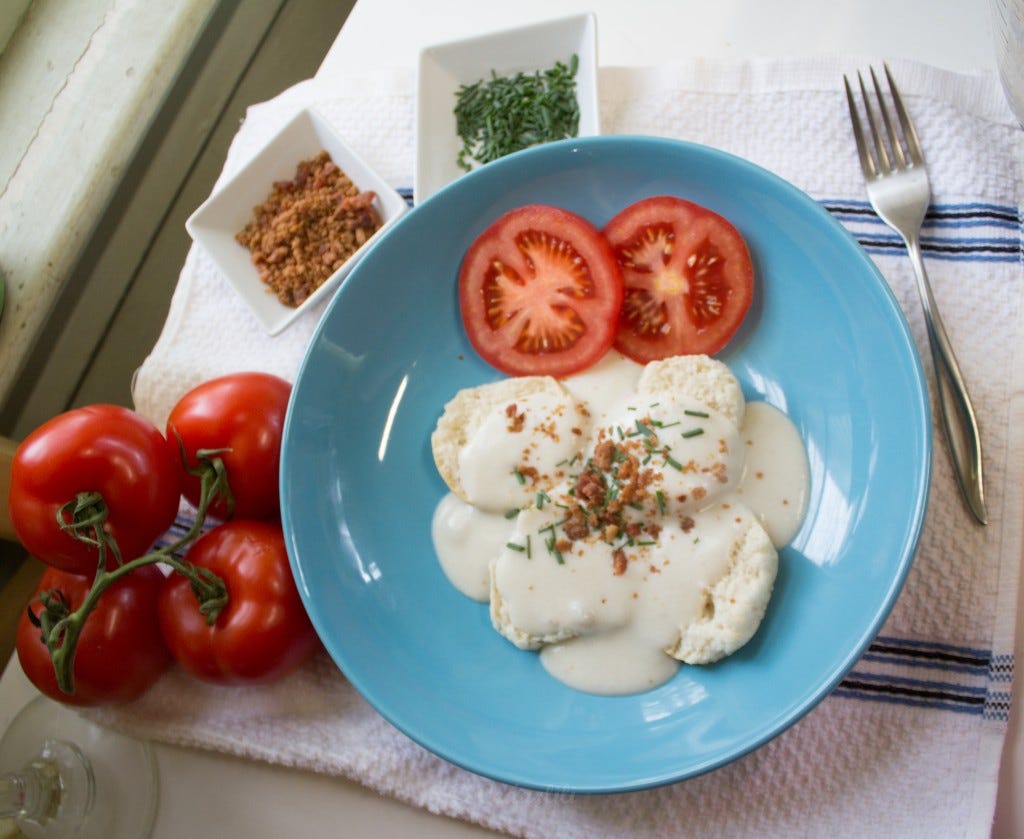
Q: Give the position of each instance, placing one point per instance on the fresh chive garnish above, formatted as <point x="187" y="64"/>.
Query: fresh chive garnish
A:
<point x="660" y="496"/>
<point x="557" y="554"/>
<point x="511" y="514"/>
<point x="519" y="476"/>
<point x="503" y="114"/>
<point x="691" y="413"/>
<point x="671" y="461"/>
<point x="514" y="547"/>
<point x="693" y="432"/>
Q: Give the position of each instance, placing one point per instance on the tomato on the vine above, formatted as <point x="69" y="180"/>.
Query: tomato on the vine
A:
<point x="539" y="292"/>
<point x="102" y="449"/>
<point x="688" y="277"/>
<point x="120" y="652"/>
<point x="240" y="415"/>
<point x="263" y="633"/>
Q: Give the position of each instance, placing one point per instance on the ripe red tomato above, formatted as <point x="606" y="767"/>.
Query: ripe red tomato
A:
<point x="688" y="276"/>
<point x="539" y="292"/>
<point x="244" y="414"/>
<point x="263" y="633"/>
<point x="99" y="448"/>
<point x="120" y="652"/>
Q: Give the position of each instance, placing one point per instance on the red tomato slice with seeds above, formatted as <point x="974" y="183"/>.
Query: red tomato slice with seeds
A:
<point x="540" y="292"/>
<point x="688" y="278"/>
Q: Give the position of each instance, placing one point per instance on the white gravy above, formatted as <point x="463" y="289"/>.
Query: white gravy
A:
<point x="607" y="633"/>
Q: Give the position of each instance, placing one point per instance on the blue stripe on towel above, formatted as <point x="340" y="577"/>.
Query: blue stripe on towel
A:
<point x="968" y="231"/>
<point x="855" y="691"/>
<point x="932" y="674"/>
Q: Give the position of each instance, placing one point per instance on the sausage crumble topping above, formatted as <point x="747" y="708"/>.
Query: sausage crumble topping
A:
<point x="307" y="227"/>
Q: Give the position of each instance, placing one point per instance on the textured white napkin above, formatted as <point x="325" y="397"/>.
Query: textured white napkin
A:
<point x="909" y="744"/>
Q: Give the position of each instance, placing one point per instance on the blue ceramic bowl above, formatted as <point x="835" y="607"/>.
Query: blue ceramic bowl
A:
<point x="825" y="341"/>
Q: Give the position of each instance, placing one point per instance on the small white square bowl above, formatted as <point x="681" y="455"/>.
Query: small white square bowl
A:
<point x="230" y="207"/>
<point x="444" y="68"/>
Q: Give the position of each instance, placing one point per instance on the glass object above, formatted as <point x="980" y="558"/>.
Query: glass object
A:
<point x="61" y="776"/>
<point x="1008" y="31"/>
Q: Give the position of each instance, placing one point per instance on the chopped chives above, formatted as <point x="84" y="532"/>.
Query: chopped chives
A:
<point x="693" y="432"/>
<point x="644" y="429"/>
<point x="691" y="413"/>
<point x="501" y="114"/>
<point x="557" y="554"/>
<point x="671" y="461"/>
<point x="511" y="514"/>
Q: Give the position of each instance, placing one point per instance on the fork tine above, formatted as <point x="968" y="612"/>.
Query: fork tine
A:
<point x="867" y="165"/>
<point x="908" y="126"/>
<point x="884" y="163"/>
<point x="894" y="139"/>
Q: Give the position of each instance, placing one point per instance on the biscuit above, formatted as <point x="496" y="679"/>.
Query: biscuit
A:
<point x="466" y="411"/>
<point x="735" y="605"/>
<point x="697" y="377"/>
<point x="501" y="620"/>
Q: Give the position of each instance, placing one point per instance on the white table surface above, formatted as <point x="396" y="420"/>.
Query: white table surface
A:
<point x="204" y="794"/>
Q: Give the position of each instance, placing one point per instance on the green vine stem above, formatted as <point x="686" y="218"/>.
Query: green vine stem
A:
<point x="84" y="518"/>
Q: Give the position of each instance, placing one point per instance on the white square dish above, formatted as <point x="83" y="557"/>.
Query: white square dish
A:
<point x="230" y="207"/>
<point x="444" y="68"/>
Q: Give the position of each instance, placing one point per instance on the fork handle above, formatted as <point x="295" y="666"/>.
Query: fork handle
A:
<point x="958" y="417"/>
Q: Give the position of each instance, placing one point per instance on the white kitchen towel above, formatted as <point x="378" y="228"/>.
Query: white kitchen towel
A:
<point x="909" y="743"/>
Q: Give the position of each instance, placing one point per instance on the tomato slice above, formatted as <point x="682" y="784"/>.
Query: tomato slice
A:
<point x="688" y="278"/>
<point x="540" y="292"/>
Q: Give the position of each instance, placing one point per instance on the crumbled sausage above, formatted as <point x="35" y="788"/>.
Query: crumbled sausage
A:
<point x="307" y="228"/>
<point x="517" y="419"/>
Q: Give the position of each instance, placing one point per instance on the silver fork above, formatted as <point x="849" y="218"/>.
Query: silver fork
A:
<point x="898" y="188"/>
